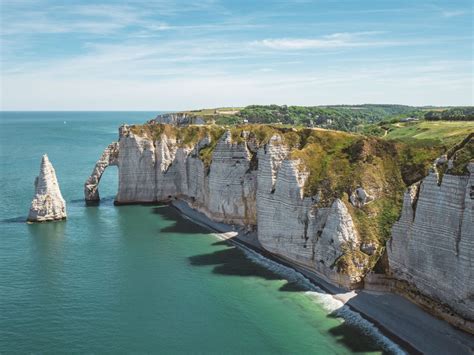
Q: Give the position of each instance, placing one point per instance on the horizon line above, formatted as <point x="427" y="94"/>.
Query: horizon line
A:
<point x="227" y="106"/>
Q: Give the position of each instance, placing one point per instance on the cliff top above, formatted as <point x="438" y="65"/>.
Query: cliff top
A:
<point x="432" y="133"/>
<point x="415" y="144"/>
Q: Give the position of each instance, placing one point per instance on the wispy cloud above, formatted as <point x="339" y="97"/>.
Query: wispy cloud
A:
<point x="440" y="83"/>
<point x="454" y="13"/>
<point x="94" y="18"/>
<point x="335" y="40"/>
<point x="60" y="19"/>
<point x="143" y="54"/>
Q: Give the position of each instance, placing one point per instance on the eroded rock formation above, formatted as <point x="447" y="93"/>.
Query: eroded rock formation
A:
<point x="108" y="157"/>
<point x="360" y="197"/>
<point x="48" y="203"/>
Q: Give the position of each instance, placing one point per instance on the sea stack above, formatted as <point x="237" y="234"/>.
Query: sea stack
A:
<point x="48" y="203"/>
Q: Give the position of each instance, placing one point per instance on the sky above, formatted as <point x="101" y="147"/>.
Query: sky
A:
<point x="176" y="55"/>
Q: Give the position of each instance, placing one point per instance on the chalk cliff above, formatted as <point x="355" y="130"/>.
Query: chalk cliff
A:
<point x="48" y="203"/>
<point x="249" y="183"/>
<point x="290" y="225"/>
<point x="432" y="245"/>
<point x="323" y="200"/>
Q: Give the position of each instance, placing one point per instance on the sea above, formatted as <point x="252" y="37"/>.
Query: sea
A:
<point x="141" y="278"/>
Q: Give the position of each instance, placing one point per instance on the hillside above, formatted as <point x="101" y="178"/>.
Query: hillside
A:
<point x="339" y="117"/>
<point x="420" y="143"/>
<point x="429" y="132"/>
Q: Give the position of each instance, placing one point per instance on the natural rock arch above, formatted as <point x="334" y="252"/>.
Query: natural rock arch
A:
<point x="108" y="157"/>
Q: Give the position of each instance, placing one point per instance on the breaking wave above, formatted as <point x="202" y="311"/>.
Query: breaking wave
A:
<point x="327" y="301"/>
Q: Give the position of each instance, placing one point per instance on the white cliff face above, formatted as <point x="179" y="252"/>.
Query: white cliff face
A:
<point x="292" y="226"/>
<point x="225" y="191"/>
<point x="158" y="171"/>
<point x="338" y="234"/>
<point x="136" y="161"/>
<point x="232" y="185"/>
<point x="245" y="184"/>
<point x="432" y="245"/>
<point x="48" y="203"/>
<point x="169" y="165"/>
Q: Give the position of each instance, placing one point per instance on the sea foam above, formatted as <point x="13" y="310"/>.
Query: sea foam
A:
<point x="327" y="301"/>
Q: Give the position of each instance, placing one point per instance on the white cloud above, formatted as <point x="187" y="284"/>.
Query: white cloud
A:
<point x="453" y="13"/>
<point x="135" y="57"/>
<point x="108" y="19"/>
<point x="335" y="40"/>
<point x="440" y="83"/>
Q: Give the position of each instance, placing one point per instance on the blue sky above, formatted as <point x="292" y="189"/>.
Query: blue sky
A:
<point x="172" y="55"/>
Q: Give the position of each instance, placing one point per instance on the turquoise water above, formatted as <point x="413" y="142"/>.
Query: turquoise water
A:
<point x="139" y="278"/>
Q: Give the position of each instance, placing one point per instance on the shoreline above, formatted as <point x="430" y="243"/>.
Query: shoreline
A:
<point x="393" y="315"/>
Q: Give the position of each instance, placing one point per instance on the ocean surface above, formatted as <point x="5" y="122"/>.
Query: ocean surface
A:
<point x="140" y="279"/>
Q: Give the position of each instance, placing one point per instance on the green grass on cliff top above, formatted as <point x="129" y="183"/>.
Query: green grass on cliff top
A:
<point x="420" y="143"/>
<point x="445" y="133"/>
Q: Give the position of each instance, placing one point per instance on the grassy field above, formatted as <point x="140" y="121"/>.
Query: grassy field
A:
<point x="219" y="115"/>
<point x="213" y="111"/>
<point x="445" y="133"/>
<point x="420" y="143"/>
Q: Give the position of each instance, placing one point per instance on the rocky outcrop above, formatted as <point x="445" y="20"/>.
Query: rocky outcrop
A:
<point x="48" y="203"/>
<point x="360" y="197"/>
<point x="108" y="157"/>
<point x="432" y="245"/>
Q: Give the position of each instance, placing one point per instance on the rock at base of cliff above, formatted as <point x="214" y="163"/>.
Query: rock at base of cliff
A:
<point x="359" y="198"/>
<point x="48" y="203"/>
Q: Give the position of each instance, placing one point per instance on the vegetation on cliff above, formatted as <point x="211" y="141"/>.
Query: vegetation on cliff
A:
<point x="427" y="133"/>
<point x="462" y="156"/>
<point x="340" y="117"/>
<point x="338" y="163"/>
<point x="452" y="114"/>
<point x="185" y="135"/>
<point x="420" y="143"/>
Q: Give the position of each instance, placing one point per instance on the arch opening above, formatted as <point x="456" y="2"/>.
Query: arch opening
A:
<point x="108" y="158"/>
